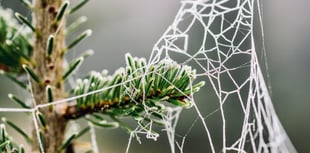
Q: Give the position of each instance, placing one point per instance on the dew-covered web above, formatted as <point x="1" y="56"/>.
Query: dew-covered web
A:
<point x="216" y="37"/>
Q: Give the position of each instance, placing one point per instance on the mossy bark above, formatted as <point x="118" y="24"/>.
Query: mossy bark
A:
<point x="50" y="71"/>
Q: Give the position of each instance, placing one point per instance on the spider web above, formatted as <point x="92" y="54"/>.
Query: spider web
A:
<point x="217" y="38"/>
<point x="223" y="52"/>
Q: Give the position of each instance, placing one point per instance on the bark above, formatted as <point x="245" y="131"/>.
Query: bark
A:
<point x="50" y="71"/>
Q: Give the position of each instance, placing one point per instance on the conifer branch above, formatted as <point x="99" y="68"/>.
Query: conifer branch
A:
<point x="6" y="144"/>
<point x="129" y="90"/>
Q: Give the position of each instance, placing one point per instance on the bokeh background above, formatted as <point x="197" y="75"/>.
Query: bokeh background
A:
<point x="134" y="26"/>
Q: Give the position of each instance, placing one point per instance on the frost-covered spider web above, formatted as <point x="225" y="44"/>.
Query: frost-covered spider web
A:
<point x="217" y="37"/>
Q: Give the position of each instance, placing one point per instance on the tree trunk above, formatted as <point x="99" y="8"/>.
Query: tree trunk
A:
<point x="50" y="71"/>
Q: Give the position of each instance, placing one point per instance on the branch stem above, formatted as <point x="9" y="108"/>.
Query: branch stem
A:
<point x="49" y="69"/>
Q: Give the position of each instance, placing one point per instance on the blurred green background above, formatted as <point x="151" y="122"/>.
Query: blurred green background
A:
<point x="134" y="26"/>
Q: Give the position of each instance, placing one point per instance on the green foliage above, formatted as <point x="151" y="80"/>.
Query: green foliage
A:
<point x="6" y="144"/>
<point x="24" y="20"/>
<point x="50" y="45"/>
<point x="18" y="101"/>
<point x="17" y="128"/>
<point x="15" y="47"/>
<point x="135" y="89"/>
<point x="72" y="67"/>
<point x="78" y="6"/>
<point x="62" y="11"/>
<point x="78" y="39"/>
<point x="32" y="74"/>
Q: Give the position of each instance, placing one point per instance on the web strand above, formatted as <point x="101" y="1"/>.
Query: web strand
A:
<point x="227" y="35"/>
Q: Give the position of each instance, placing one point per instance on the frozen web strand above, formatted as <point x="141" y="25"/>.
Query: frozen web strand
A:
<point x="170" y="122"/>
<point x="36" y="125"/>
<point x="226" y="54"/>
<point x="93" y="138"/>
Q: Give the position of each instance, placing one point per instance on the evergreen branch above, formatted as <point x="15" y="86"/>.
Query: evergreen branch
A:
<point x="62" y="11"/>
<point x="3" y="145"/>
<point x="23" y="19"/>
<point x="70" y="141"/>
<point x="130" y="90"/>
<point x="21" y="148"/>
<point x="82" y="132"/>
<point x="15" y="46"/>
<point x="6" y="144"/>
<point x="103" y="123"/>
<point x="50" y="45"/>
<point x="78" y="6"/>
<point x="41" y="119"/>
<point x="4" y="135"/>
<point x="18" y="101"/>
<point x="81" y="37"/>
<point x="26" y="3"/>
<point x="87" y="53"/>
<point x="75" y="24"/>
<point x="49" y="93"/>
<point x="32" y="74"/>
<point x="67" y="142"/>
<point x="72" y="67"/>
<point x="17" y="128"/>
